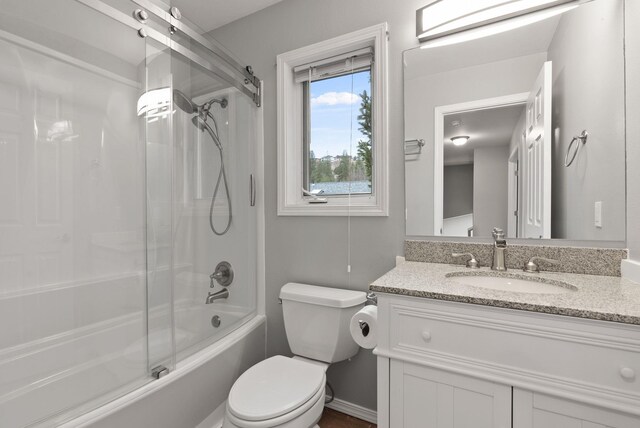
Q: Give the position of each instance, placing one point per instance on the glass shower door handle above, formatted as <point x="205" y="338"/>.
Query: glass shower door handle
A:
<point x="252" y="190"/>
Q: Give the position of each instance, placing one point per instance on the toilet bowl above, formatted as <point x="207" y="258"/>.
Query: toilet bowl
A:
<point x="288" y="392"/>
<point x="277" y="392"/>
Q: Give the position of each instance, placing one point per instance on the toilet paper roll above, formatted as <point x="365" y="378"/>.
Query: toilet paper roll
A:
<point x="364" y="327"/>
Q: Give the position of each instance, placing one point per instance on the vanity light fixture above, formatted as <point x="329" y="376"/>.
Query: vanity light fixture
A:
<point x="460" y="140"/>
<point x="447" y="17"/>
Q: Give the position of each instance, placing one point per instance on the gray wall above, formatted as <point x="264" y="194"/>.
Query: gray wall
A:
<point x="424" y="94"/>
<point x="490" y="174"/>
<point x="314" y="249"/>
<point x="632" y="51"/>
<point x="458" y="190"/>
<point x="588" y="93"/>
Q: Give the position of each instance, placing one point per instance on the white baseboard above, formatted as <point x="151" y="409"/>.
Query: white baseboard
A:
<point x="630" y="270"/>
<point x="353" y="410"/>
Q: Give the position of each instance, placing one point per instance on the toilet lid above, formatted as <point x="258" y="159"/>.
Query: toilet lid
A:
<point x="274" y="387"/>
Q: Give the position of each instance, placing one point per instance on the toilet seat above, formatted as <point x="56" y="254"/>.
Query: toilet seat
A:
<point x="275" y="391"/>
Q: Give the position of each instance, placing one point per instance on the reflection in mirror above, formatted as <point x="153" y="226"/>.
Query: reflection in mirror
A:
<point x="522" y="100"/>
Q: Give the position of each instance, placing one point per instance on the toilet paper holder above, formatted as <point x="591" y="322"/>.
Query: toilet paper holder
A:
<point x="372" y="299"/>
<point x="364" y="327"/>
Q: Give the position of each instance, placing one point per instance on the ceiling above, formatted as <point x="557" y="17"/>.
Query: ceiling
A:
<point x="211" y="14"/>
<point x="487" y="128"/>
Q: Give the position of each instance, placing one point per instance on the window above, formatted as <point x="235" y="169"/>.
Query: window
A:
<point x="332" y="127"/>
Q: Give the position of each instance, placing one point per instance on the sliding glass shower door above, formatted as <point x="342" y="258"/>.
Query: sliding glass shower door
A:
<point x="72" y="211"/>
<point x="119" y="202"/>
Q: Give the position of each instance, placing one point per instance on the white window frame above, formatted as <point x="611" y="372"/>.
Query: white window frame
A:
<point x="291" y="201"/>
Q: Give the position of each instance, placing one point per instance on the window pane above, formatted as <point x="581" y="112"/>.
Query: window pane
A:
<point x="340" y="134"/>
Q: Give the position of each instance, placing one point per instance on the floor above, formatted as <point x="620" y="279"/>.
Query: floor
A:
<point x="332" y="419"/>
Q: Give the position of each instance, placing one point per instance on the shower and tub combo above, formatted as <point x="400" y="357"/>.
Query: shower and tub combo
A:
<point x="128" y="147"/>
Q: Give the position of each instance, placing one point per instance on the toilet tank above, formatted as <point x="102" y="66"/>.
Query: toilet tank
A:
<point x="316" y="320"/>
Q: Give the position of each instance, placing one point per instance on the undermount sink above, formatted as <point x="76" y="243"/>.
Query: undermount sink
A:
<point x="511" y="282"/>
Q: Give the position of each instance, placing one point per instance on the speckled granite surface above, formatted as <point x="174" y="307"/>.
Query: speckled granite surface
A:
<point x="589" y="261"/>
<point x="604" y="298"/>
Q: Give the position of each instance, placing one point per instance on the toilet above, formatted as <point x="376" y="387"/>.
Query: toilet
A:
<point x="288" y="392"/>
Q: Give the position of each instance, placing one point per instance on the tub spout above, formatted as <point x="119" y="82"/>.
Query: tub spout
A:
<point x="212" y="297"/>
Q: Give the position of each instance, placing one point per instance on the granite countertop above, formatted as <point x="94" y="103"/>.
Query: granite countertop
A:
<point x="606" y="298"/>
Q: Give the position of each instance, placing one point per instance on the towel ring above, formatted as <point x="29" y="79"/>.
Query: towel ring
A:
<point x="582" y="138"/>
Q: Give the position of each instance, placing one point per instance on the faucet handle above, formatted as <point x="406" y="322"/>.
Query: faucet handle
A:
<point x="498" y="233"/>
<point x="532" y="267"/>
<point x="471" y="263"/>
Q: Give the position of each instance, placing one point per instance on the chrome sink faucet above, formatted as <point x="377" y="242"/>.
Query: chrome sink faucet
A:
<point x="499" y="250"/>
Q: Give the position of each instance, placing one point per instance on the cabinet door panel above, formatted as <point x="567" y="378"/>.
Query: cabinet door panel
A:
<point x="534" y="410"/>
<point x="428" y="398"/>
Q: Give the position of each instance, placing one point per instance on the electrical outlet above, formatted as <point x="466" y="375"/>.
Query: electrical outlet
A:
<point x="598" y="214"/>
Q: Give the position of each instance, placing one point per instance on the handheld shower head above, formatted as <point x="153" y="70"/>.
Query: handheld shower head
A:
<point x="202" y="125"/>
<point x="201" y="114"/>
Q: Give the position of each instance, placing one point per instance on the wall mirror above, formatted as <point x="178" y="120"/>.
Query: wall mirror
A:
<point x="522" y="130"/>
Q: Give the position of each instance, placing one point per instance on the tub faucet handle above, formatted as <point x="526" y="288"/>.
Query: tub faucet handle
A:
<point x="223" y="274"/>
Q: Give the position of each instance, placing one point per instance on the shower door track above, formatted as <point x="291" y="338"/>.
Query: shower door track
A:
<point x="240" y="82"/>
<point x="194" y="35"/>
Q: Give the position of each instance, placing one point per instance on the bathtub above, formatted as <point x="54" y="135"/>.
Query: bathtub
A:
<point x="196" y="390"/>
<point x="63" y="347"/>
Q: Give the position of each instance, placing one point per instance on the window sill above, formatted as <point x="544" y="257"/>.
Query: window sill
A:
<point x="355" y="206"/>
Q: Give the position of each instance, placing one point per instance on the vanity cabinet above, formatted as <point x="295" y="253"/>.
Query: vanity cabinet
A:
<point x="460" y="365"/>
<point x="535" y="410"/>
<point x="426" y="397"/>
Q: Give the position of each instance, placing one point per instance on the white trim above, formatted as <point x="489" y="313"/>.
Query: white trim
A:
<point x="289" y="111"/>
<point x="438" y="144"/>
<point x="630" y="270"/>
<point x="354" y="410"/>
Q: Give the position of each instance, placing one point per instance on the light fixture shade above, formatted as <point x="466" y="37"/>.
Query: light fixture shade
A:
<point x="460" y="140"/>
<point x="444" y="17"/>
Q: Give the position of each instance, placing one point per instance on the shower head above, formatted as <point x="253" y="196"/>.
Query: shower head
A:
<point x="183" y="102"/>
<point x="188" y="106"/>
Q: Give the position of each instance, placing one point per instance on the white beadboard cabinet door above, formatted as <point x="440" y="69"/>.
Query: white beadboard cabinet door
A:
<point x="422" y="397"/>
<point x="534" y="410"/>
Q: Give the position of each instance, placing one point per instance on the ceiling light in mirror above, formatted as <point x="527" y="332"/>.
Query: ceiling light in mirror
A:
<point x="460" y="140"/>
